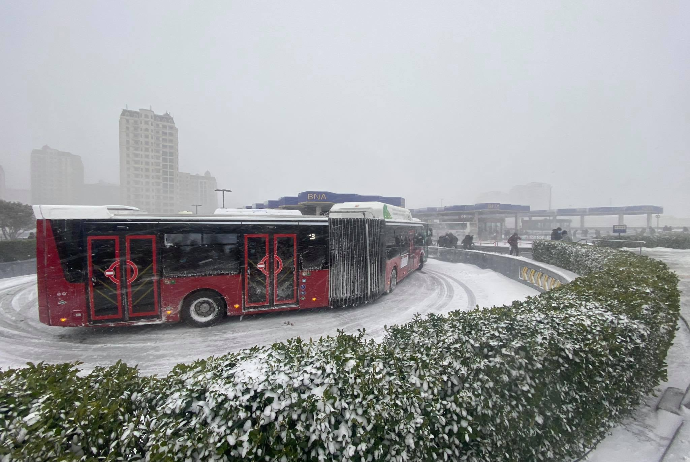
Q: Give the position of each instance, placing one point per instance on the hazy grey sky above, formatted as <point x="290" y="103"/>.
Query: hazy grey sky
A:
<point x="426" y="100"/>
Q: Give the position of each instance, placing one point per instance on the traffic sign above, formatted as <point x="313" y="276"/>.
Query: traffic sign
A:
<point x="620" y="229"/>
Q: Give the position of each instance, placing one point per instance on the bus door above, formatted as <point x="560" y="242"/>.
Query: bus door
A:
<point x="270" y="262"/>
<point x="123" y="283"/>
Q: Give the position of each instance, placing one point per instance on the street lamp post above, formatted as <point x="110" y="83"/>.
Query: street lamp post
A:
<point x="657" y="222"/>
<point x="196" y="208"/>
<point x="223" y="191"/>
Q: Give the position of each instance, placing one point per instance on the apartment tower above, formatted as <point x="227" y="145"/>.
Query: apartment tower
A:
<point x="57" y="177"/>
<point x="148" y="160"/>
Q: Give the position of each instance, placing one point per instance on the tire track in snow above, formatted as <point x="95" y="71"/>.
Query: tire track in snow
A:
<point x="397" y="306"/>
<point x="157" y="348"/>
<point x="471" y="298"/>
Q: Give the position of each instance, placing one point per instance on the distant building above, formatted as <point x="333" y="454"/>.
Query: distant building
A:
<point x="57" y="177"/>
<point x="536" y="195"/>
<point x="196" y="189"/>
<point x="100" y="193"/>
<point x="18" y="195"/>
<point x="2" y="183"/>
<point x="319" y="202"/>
<point x="148" y="160"/>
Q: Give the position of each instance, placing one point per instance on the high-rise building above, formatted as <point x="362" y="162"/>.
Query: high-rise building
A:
<point x="56" y="177"/>
<point x="148" y="160"/>
<point x="197" y="190"/>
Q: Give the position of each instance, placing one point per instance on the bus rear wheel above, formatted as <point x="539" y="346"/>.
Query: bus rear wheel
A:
<point x="394" y="280"/>
<point x="203" y="308"/>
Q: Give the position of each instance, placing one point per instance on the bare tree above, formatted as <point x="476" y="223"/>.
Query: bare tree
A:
<point x="15" y="217"/>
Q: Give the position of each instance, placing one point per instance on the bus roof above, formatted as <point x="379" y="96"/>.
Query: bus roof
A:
<point x="370" y="210"/>
<point x="67" y="212"/>
<point x="119" y="212"/>
<point x="257" y="212"/>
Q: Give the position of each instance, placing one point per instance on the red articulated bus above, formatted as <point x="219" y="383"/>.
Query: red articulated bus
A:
<point x="114" y="265"/>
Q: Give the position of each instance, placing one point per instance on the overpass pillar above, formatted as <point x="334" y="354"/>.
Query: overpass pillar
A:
<point x="582" y="222"/>
<point x="649" y="220"/>
<point x="621" y="219"/>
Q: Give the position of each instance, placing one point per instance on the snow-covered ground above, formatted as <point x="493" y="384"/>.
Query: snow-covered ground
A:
<point x="524" y="243"/>
<point x="441" y="287"/>
<point x="646" y="435"/>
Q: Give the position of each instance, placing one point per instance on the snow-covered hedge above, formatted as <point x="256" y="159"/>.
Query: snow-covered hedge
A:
<point x="669" y="240"/>
<point x="537" y="380"/>
<point x="17" y="249"/>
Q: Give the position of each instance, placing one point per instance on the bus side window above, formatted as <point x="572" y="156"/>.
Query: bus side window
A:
<point x="419" y="237"/>
<point x="69" y="240"/>
<point x="404" y="241"/>
<point x="196" y="254"/>
<point x="313" y="250"/>
<point x="226" y="251"/>
<point x="392" y="242"/>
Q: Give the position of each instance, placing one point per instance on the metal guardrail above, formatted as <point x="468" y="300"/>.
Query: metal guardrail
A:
<point x="530" y="273"/>
<point x="524" y="251"/>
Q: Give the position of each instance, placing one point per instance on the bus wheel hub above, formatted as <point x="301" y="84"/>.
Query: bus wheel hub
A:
<point x="204" y="308"/>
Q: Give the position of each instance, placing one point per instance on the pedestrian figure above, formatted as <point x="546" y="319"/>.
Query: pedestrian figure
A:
<point x="467" y="242"/>
<point x="453" y="240"/>
<point x="513" y="242"/>
<point x="565" y="237"/>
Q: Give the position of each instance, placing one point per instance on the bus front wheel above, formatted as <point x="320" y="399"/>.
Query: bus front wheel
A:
<point x="203" y="308"/>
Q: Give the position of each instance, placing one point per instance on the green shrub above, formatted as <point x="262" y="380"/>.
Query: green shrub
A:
<point x="16" y="250"/>
<point x="540" y="379"/>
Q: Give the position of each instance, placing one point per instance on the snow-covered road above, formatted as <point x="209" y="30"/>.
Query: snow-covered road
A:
<point x="441" y="287"/>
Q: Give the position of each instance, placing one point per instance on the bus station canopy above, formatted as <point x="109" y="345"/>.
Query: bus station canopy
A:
<point x="495" y="210"/>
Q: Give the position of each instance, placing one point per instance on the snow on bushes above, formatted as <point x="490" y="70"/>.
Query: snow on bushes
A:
<point x="669" y="240"/>
<point x="540" y="379"/>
